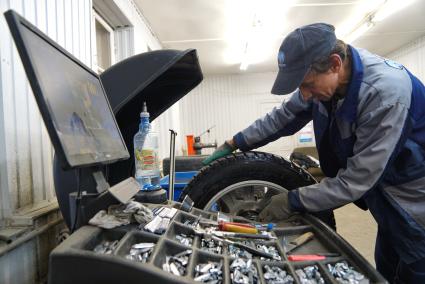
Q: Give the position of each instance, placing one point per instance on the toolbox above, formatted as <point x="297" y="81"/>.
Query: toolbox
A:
<point x="75" y="261"/>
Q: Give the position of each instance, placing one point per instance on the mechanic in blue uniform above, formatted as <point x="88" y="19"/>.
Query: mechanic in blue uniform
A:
<point x="369" y="121"/>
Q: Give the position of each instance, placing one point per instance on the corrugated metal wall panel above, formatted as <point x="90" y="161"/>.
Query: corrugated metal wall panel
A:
<point x="170" y="119"/>
<point x="27" y="151"/>
<point x="145" y="38"/>
<point x="11" y="272"/>
<point x="413" y="57"/>
<point x="5" y="202"/>
<point x="28" y="263"/>
<point x="124" y="44"/>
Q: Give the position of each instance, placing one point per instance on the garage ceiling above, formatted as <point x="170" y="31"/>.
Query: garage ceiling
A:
<point x="227" y="32"/>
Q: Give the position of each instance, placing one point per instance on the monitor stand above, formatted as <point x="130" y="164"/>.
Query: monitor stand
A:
<point x="88" y="204"/>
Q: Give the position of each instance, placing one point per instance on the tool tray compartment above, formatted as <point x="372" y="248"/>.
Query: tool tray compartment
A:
<point x="76" y="259"/>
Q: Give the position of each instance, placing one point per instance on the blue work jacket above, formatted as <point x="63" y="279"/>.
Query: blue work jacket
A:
<point x="371" y="146"/>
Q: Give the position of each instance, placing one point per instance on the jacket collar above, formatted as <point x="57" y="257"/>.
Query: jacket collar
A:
<point x="348" y="109"/>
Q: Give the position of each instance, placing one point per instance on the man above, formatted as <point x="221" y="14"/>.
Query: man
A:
<point x="369" y="121"/>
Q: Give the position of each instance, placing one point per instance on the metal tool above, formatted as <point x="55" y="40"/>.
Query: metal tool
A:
<point x="305" y="257"/>
<point x="172" y="174"/>
<point x="209" y="232"/>
<point x="198" y="145"/>
<point x="237" y="227"/>
<point x="311" y="257"/>
<point x="244" y="228"/>
<point x="299" y="241"/>
<point x="242" y="235"/>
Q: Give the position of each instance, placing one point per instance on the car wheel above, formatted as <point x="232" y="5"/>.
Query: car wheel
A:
<point x="240" y="184"/>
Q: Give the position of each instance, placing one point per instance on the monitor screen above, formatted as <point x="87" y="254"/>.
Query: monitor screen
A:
<point x="71" y="99"/>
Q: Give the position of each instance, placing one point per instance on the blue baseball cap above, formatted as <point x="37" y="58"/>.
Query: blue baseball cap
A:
<point x="298" y="51"/>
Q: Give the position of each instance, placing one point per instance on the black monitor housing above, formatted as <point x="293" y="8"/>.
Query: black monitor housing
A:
<point x="71" y="99"/>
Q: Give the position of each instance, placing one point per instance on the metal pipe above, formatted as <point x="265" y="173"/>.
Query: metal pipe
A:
<point x="27" y="237"/>
<point x="172" y="174"/>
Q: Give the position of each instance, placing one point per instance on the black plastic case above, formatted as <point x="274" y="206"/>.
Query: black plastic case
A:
<point x="74" y="261"/>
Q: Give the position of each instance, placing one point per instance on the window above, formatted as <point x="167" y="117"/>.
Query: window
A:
<point x="104" y="53"/>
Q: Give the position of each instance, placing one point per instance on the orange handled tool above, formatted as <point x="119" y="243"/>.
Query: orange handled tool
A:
<point x="237" y="227"/>
<point x="311" y="257"/>
<point x="305" y="257"/>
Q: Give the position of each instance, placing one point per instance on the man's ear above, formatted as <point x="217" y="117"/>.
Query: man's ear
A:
<point x="336" y="62"/>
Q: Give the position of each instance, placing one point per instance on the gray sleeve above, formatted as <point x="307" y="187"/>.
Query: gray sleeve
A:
<point x="284" y="120"/>
<point x="377" y="135"/>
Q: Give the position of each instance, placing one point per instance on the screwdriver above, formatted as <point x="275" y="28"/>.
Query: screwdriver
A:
<point x="237" y="227"/>
<point x="311" y="257"/>
<point x="242" y="235"/>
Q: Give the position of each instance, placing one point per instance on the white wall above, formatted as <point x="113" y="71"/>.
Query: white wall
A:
<point x="413" y="57"/>
<point x="25" y="149"/>
<point x="231" y="103"/>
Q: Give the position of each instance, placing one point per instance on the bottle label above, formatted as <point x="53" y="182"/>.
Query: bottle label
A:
<point x="148" y="159"/>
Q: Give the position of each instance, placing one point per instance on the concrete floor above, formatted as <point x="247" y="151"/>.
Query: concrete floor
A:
<point x="358" y="228"/>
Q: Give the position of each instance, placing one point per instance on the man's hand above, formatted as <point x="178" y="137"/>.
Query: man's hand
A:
<point x="277" y="209"/>
<point x="227" y="148"/>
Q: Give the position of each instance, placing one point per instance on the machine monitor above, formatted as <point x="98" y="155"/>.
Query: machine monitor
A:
<point x="71" y="100"/>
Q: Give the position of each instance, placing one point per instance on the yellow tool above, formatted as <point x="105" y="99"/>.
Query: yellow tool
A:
<point x="237" y="227"/>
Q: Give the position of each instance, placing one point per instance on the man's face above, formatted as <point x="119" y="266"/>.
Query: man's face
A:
<point x="320" y="86"/>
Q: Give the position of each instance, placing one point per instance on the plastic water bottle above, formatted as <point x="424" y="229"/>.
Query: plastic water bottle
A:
<point x="146" y="154"/>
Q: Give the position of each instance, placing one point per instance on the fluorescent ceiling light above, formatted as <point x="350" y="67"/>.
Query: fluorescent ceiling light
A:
<point x="390" y="7"/>
<point x="252" y="29"/>
<point x="381" y="10"/>
<point x="355" y="34"/>
<point x="365" y="7"/>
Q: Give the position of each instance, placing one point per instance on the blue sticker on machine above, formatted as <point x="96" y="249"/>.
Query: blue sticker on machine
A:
<point x="394" y="64"/>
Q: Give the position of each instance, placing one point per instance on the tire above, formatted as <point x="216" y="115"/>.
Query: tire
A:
<point x="248" y="166"/>
<point x="184" y="164"/>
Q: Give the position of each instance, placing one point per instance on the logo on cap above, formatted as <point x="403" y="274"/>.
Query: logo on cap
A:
<point x="281" y="59"/>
